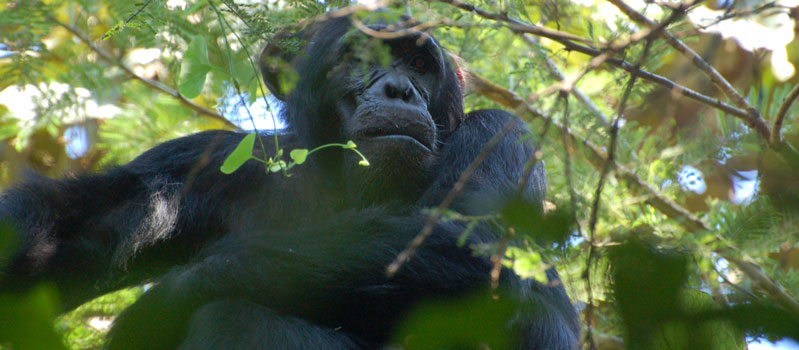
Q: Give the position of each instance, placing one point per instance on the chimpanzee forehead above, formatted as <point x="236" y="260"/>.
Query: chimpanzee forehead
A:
<point x="399" y="37"/>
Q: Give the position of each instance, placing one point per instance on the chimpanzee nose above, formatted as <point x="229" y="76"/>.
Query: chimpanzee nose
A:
<point x="397" y="87"/>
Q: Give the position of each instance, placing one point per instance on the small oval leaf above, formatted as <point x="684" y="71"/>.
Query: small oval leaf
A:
<point x="299" y="155"/>
<point x="194" y="68"/>
<point x="350" y="145"/>
<point x="241" y="154"/>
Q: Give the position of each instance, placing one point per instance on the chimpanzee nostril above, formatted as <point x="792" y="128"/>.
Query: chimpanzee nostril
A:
<point x="398" y="88"/>
<point x="391" y="91"/>
<point x="406" y="94"/>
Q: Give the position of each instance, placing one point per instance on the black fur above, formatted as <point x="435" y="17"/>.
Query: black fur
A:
<point x="251" y="260"/>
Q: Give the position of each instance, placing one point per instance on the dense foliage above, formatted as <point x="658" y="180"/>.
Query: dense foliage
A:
<point x="669" y="132"/>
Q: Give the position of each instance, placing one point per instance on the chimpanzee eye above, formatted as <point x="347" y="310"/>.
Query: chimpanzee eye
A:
<point x="418" y="62"/>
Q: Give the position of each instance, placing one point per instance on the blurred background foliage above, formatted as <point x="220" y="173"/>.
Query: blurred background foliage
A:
<point x="687" y="238"/>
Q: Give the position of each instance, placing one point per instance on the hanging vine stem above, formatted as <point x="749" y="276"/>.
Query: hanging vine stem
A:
<point x="589" y="327"/>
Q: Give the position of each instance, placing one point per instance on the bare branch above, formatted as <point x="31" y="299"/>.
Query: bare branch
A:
<point x="597" y="158"/>
<point x="392" y="32"/>
<point x="773" y="289"/>
<point x="753" y="115"/>
<point x="668" y="84"/>
<point x="517" y="26"/>
<point x="427" y="230"/>
<point x="663" y="81"/>
<point x="618" y="45"/>
<point x="782" y="112"/>
<point x="157" y="85"/>
<point x="579" y="95"/>
<point x="742" y="13"/>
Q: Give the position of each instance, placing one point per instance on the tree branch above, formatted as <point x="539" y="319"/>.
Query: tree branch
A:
<point x="598" y="158"/>
<point x="157" y="85"/>
<point x="782" y="112"/>
<point x="753" y="115"/>
<point x="407" y="253"/>
<point x="557" y="74"/>
<point x="772" y="288"/>
<point x="515" y="25"/>
<point x="630" y="68"/>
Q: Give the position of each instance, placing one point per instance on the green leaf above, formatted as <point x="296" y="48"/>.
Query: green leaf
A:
<point x="299" y="155"/>
<point x="474" y="322"/>
<point x="242" y="72"/>
<point x="241" y="154"/>
<point x="9" y="130"/>
<point x="194" y="68"/>
<point x="28" y="319"/>
<point x="277" y="166"/>
<point x="691" y="332"/>
<point x="194" y="8"/>
<point x="114" y="30"/>
<point x="350" y="145"/>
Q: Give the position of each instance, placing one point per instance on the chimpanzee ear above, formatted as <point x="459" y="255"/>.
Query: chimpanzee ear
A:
<point x="460" y="72"/>
<point x="277" y="68"/>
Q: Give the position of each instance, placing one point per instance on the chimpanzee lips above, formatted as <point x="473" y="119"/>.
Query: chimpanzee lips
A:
<point x="397" y="134"/>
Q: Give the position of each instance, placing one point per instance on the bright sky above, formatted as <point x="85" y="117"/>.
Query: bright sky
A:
<point x="785" y="344"/>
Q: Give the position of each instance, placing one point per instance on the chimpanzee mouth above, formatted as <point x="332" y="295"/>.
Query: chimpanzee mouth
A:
<point x="382" y="134"/>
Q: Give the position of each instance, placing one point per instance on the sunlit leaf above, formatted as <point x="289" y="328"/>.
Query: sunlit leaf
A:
<point x="240" y="155"/>
<point x="299" y="155"/>
<point x="194" y="68"/>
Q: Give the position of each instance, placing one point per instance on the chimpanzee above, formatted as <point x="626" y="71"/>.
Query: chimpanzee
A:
<point x="253" y="260"/>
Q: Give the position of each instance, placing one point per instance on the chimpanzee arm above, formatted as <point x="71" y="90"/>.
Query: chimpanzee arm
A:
<point x="496" y="180"/>
<point x="498" y="176"/>
<point x="96" y="233"/>
<point x="330" y="272"/>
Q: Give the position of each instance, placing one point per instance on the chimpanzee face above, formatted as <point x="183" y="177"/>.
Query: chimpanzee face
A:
<point x="393" y="92"/>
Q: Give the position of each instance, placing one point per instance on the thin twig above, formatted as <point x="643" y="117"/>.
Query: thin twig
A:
<point x="663" y="81"/>
<point x="753" y="116"/>
<point x="553" y="69"/>
<point x="516" y="25"/>
<point x="157" y="85"/>
<point x="630" y="68"/>
<point x="427" y="230"/>
<point x="394" y="32"/>
<point x="534" y="159"/>
<point x="655" y="199"/>
<point x="614" y="132"/>
<point x="496" y="258"/>
<point x="567" y="146"/>
<point x="773" y="289"/>
<point x="611" y="158"/>
<point x="597" y="156"/>
<point x="138" y="11"/>
<point x="589" y="309"/>
<point x="614" y="47"/>
<point x="742" y="13"/>
<point x="782" y="112"/>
